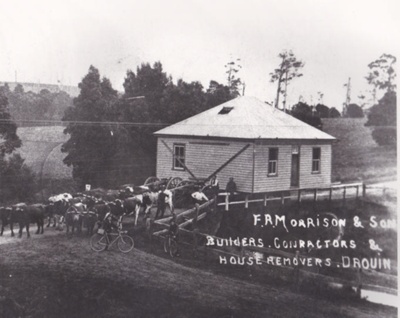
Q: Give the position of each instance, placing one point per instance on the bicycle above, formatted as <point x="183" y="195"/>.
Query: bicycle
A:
<point x="100" y="240"/>
<point x="171" y="245"/>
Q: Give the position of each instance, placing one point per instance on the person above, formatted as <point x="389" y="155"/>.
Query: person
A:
<point x="214" y="185"/>
<point x="108" y="225"/>
<point x="231" y="186"/>
<point x="199" y="197"/>
<point x="173" y="232"/>
<point x="161" y="202"/>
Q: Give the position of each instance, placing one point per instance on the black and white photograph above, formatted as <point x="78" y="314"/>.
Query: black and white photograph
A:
<point x="193" y="159"/>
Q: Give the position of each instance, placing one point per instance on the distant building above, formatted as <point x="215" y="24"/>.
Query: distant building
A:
<point x="263" y="148"/>
<point x="72" y="91"/>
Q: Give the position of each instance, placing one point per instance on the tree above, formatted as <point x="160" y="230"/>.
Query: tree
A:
<point x="303" y="112"/>
<point x="334" y="113"/>
<point x="183" y="100"/>
<point x="384" y="113"/>
<point x="354" y="111"/>
<point x="91" y="146"/>
<point x="17" y="181"/>
<point x="322" y="111"/>
<point x="289" y="69"/>
<point x="150" y="82"/>
<point x="382" y="74"/>
<point x="217" y="94"/>
<point x="9" y="140"/>
<point x="234" y="82"/>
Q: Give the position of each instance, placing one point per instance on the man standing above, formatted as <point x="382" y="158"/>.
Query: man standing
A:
<point x="161" y="202"/>
<point x="231" y="187"/>
<point x="199" y="197"/>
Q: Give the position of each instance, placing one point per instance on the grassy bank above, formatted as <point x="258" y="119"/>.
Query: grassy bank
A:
<point x="356" y="156"/>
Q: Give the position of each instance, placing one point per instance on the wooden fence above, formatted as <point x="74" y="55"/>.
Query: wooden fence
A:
<point x="340" y="191"/>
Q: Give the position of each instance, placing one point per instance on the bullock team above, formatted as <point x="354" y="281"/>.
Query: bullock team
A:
<point x="82" y="209"/>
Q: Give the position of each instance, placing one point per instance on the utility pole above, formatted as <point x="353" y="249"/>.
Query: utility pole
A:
<point x="348" y="94"/>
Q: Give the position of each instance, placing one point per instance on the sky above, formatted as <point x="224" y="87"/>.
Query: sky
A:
<point x="56" y="41"/>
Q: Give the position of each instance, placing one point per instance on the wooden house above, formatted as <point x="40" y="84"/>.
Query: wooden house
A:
<point x="261" y="147"/>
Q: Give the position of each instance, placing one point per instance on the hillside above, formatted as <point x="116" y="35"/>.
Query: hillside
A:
<point x="41" y="149"/>
<point x="356" y="156"/>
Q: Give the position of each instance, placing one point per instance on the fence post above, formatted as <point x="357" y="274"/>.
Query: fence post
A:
<point x="282" y="198"/>
<point x="246" y="202"/>
<point x="359" y="282"/>
<point x="357" y="193"/>
<point x="315" y="195"/>
<point x="265" y="199"/>
<point x="195" y="232"/>
<point x="149" y="228"/>
<point x="299" y="196"/>
<point x="227" y="202"/>
<point x="364" y="191"/>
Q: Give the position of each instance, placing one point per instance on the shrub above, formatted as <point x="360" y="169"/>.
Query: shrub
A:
<point x="384" y="135"/>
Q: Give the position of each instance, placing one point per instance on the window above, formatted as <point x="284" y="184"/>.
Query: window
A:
<point x="225" y="110"/>
<point x="179" y="157"/>
<point x="273" y="162"/>
<point x="316" y="160"/>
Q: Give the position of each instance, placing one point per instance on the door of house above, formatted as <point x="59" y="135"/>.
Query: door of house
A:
<point x="294" y="180"/>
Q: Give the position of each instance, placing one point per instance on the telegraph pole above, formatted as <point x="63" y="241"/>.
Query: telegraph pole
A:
<point x="348" y="93"/>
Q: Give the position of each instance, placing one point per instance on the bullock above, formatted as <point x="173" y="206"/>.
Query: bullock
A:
<point x="78" y="216"/>
<point x="56" y="210"/>
<point x="133" y="205"/>
<point x="117" y="207"/>
<point x="74" y="217"/>
<point x="89" y="220"/>
<point x="25" y="214"/>
<point x="101" y="208"/>
<point x="5" y="218"/>
<point x="146" y="200"/>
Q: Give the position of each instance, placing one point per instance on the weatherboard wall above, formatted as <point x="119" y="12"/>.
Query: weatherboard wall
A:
<point x="203" y="157"/>
<point x="308" y="179"/>
<point x="281" y="181"/>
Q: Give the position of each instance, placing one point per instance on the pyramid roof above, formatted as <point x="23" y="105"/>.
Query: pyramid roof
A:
<point x="244" y="118"/>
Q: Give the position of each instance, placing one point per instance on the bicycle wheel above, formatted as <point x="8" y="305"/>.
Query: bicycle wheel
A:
<point x="98" y="242"/>
<point x="173" y="248"/>
<point x="166" y="247"/>
<point x="125" y="243"/>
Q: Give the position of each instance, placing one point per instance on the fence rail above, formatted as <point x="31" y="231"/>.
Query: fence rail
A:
<point x="354" y="190"/>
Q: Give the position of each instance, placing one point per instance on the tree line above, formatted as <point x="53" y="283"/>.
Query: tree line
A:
<point x="30" y="106"/>
<point x="111" y="154"/>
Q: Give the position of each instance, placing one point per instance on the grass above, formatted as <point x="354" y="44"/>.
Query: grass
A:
<point x="356" y="156"/>
<point x="41" y="149"/>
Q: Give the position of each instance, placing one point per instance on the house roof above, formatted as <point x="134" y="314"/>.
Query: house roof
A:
<point x="244" y="118"/>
